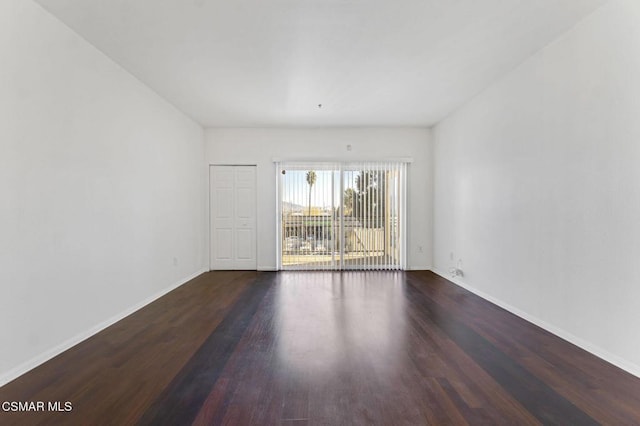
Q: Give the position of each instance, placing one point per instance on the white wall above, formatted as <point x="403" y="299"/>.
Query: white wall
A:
<point x="260" y="146"/>
<point x="102" y="185"/>
<point x="537" y="187"/>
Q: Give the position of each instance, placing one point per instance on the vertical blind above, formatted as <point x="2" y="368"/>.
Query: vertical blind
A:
<point x="341" y="216"/>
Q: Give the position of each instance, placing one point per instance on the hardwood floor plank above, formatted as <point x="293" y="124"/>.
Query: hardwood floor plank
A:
<point x="587" y="381"/>
<point x="147" y="346"/>
<point x="540" y="399"/>
<point x="455" y="363"/>
<point x="183" y="398"/>
<point x="325" y="348"/>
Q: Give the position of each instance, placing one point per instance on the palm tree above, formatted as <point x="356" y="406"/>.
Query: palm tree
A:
<point x="311" y="180"/>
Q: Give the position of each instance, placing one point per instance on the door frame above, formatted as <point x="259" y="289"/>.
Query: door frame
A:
<point x="341" y="164"/>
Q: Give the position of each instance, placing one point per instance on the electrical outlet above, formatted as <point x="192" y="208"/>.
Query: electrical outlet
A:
<point x="420" y="249"/>
<point x="451" y="256"/>
<point x="456" y="272"/>
<point x="175" y="261"/>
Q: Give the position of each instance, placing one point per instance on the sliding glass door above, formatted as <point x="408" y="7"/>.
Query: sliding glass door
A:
<point x="335" y="216"/>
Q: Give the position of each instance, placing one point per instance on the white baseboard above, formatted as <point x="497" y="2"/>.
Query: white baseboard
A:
<point x="267" y="268"/>
<point x="67" y="344"/>
<point x="563" y="334"/>
<point x="409" y="268"/>
<point x="418" y="268"/>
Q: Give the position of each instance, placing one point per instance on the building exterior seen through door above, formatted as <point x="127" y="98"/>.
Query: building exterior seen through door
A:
<point x="232" y="217"/>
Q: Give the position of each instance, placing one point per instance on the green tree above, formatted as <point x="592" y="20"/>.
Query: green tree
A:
<point x="369" y="197"/>
<point x="347" y="202"/>
<point x="311" y="180"/>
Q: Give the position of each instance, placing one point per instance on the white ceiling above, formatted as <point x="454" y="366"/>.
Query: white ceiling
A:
<point x="269" y="63"/>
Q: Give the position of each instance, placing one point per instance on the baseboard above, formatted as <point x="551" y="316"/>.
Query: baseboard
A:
<point x="627" y="366"/>
<point x="67" y="344"/>
<point x="418" y="268"/>
<point x="409" y="268"/>
<point x="267" y="268"/>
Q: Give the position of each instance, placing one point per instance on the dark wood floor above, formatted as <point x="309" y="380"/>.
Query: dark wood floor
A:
<point x="329" y="349"/>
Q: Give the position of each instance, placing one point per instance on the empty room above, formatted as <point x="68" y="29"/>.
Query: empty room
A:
<point x="320" y="212"/>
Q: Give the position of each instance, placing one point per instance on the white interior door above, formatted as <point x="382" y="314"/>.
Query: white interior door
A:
<point x="233" y="217"/>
